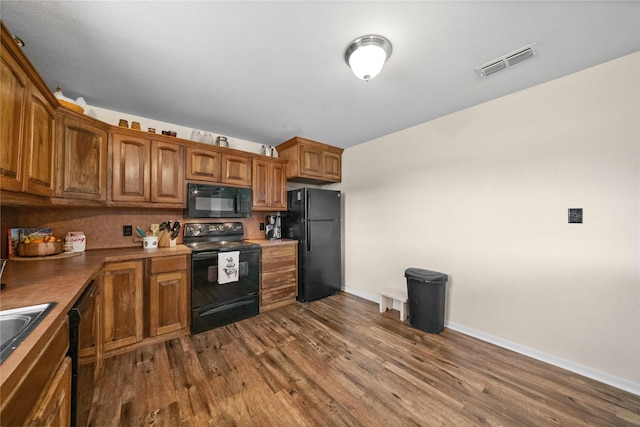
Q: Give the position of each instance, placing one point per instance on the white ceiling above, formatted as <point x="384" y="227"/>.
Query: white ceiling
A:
<point x="266" y="71"/>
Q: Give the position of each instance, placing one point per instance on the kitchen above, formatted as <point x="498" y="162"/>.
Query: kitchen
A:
<point x="491" y="191"/>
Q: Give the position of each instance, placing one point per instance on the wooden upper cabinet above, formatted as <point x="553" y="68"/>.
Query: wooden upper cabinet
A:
<point x="269" y="185"/>
<point x="310" y="161"/>
<point x="39" y="145"/>
<point x="27" y="113"/>
<point x="204" y="164"/>
<point x="131" y="169"/>
<point x="167" y="172"/>
<point x="214" y="165"/>
<point x="332" y="166"/>
<point x="12" y="111"/>
<point x="236" y="170"/>
<point x="82" y="157"/>
<point x="147" y="171"/>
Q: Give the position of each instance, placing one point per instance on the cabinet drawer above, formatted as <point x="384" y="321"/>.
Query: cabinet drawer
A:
<point x="278" y="264"/>
<point x="273" y="279"/>
<point x="279" y="251"/>
<point x="278" y="295"/>
<point x="168" y="263"/>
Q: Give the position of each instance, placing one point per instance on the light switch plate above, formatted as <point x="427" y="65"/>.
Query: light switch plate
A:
<point x="575" y="215"/>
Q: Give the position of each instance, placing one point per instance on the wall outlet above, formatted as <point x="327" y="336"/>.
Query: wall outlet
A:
<point x="127" y="230"/>
<point x="262" y="226"/>
<point x="575" y="215"/>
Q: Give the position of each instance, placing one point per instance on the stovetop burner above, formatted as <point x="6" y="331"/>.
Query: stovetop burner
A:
<point x="219" y="236"/>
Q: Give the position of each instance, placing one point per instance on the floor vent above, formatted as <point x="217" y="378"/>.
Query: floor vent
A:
<point x="508" y="60"/>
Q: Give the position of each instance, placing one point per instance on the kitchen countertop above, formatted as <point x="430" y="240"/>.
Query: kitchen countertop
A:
<point x="61" y="281"/>
<point x="267" y="242"/>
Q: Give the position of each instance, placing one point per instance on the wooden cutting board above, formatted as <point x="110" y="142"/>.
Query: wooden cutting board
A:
<point x="40" y="258"/>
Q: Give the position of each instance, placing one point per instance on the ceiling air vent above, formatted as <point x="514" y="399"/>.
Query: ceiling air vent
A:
<point x="508" y="60"/>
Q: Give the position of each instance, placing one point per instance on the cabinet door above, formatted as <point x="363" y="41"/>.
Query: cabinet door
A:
<point x="54" y="409"/>
<point x="167" y="172"/>
<point x="82" y="160"/>
<point x="168" y="302"/>
<point x="260" y="186"/>
<point x="122" y="304"/>
<point x="39" y="144"/>
<point x="278" y="187"/>
<point x="203" y="164"/>
<point x="236" y="170"/>
<point x="12" y="107"/>
<point x="310" y="161"/>
<point x="332" y="166"/>
<point x="131" y="169"/>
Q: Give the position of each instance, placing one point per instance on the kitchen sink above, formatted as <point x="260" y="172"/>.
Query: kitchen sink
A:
<point x="16" y="324"/>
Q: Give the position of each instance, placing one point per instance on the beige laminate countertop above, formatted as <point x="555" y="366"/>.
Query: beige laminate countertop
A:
<point x="61" y="281"/>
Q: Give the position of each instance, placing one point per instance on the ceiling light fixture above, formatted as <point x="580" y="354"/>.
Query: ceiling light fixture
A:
<point x="367" y="54"/>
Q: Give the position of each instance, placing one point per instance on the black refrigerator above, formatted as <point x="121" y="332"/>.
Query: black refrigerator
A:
<point x="314" y="220"/>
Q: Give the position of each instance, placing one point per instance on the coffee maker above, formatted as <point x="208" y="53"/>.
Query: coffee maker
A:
<point x="273" y="228"/>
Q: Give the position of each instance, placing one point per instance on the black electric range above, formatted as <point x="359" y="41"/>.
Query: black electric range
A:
<point x="225" y="274"/>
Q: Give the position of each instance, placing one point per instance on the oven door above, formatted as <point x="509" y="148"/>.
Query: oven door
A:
<point x="214" y="304"/>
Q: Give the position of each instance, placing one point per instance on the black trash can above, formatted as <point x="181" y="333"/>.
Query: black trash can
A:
<point x="426" y="294"/>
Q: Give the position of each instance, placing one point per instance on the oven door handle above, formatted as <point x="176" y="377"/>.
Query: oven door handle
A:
<point x="226" y="307"/>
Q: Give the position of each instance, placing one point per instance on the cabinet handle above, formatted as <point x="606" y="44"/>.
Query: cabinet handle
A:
<point x="169" y="282"/>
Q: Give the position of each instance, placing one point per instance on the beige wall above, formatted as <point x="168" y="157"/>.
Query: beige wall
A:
<point x="483" y="195"/>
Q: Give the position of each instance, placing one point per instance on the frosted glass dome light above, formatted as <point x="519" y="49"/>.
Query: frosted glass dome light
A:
<point x="366" y="55"/>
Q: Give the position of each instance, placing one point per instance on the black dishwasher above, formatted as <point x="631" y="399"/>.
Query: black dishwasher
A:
<point x="82" y="323"/>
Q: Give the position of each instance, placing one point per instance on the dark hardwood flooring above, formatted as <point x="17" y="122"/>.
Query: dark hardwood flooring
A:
<point x="339" y="362"/>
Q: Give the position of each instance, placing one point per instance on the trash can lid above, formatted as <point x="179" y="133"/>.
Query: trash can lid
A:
<point x="427" y="276"/>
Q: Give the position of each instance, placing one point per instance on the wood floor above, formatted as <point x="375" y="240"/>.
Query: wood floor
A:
<point x="339" y="362"/>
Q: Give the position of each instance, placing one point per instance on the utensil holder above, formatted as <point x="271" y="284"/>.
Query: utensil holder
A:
<point x="150" y="242"/>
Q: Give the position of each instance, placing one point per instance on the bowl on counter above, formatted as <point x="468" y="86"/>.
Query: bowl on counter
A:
<point x="40" y="249"/>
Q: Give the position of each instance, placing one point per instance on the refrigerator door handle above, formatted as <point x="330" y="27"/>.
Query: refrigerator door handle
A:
<point x="307" y="225"/>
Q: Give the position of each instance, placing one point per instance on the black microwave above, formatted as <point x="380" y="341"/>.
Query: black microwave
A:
<point x="216" y="201"/>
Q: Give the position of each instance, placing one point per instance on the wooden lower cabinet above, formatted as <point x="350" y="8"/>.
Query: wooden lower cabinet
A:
<point x="40" y="395"/>
<point x="122" y="289"/>
<point x="55" y="406"/>
<point x="144" y="301"/>
<point x="279" y="274"/>
<point x="168" y="295"/>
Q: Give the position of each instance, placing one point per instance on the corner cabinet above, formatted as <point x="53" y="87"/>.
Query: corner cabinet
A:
<point x="81" y="157"/>
<point x="310" y="161"/>
<point x="27" y="119"/>
<point x="147" y="171"/>
<point x="269" y="184"/>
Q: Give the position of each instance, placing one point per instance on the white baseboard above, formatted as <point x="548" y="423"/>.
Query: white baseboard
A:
<point x="586" y="371"/>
